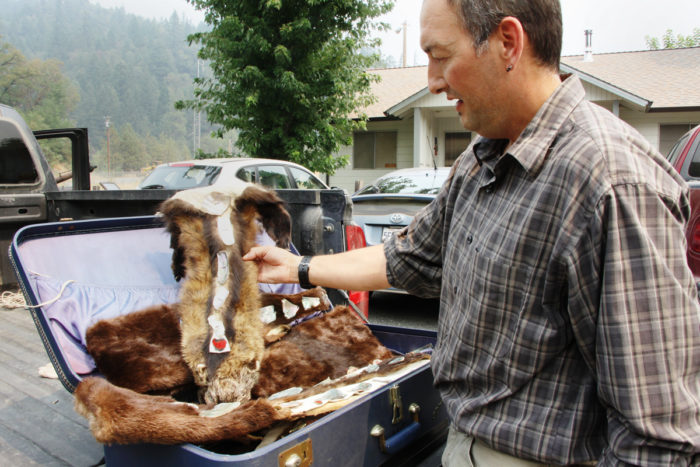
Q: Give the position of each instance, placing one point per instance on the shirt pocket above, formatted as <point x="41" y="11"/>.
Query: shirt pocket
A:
<point x="494" y="291"/>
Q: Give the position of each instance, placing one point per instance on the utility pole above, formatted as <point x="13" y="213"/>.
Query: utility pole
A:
<point x="109" y="156"/>
<point x="197" y="124"/>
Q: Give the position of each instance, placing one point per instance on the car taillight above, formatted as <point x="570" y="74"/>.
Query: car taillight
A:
<point x="355" y="238"/>
<point x="361" y="300"/>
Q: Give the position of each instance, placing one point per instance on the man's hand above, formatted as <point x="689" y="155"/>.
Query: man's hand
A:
<point x="361" y="269"/>
<point x="275" y="265"/>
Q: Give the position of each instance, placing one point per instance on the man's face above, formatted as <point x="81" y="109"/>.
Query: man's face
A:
<point x="455" y="68"/>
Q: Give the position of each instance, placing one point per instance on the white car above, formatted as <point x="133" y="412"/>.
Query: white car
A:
<point x="272" y="173"/>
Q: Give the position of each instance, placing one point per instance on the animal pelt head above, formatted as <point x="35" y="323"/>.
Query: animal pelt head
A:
<point x="118" y="415"/>
<point x="140" y="350"/>
<point x="253" y="207"/>
<point x="222" y="335"/>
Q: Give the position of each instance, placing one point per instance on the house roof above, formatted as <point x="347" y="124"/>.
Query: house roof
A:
<point x="395" y="85"/>
<point x="669" y="79"/>
<point x="656" y="80"/>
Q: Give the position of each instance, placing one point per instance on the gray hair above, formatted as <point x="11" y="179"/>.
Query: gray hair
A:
<point x="541" y="20"/>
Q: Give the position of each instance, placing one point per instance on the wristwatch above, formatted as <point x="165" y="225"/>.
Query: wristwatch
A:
<point x="303" y="273"/>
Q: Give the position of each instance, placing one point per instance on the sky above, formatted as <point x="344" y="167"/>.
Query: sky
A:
<point x="618" y="25"/>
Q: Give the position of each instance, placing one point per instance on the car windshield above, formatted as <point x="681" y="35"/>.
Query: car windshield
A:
<point x="180" y="177"/>
<point x="417" y="183"/>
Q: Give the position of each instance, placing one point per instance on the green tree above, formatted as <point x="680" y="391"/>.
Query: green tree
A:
<point x="671" y="41"/>
<point x="41" y="93"/>
<point x="128" y="151"/>
<point x="288" y="74"/>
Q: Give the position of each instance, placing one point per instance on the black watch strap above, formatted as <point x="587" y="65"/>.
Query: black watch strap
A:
<point x="303" y="273"/>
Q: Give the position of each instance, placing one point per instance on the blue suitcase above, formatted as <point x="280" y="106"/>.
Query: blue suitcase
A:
<point x="105" y="267"/>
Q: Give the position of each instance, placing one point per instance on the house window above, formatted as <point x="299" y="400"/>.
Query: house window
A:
<point x="374" y="150"/>
<point x="455" y="144"/>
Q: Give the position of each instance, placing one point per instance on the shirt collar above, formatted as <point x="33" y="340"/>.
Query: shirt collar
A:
<point x="531" y="147"/>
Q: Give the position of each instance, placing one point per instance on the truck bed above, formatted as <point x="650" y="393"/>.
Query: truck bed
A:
<point x="38" y="425"/>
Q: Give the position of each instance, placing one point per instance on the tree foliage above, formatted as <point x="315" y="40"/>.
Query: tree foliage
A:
<point x="671" y="41"/>
<point x="40" y="92"/>
<point x="288" y="74"/>
<point x="124" y="67"/>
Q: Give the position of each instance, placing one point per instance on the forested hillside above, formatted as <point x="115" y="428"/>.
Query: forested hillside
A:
<point x="126" y="69"/>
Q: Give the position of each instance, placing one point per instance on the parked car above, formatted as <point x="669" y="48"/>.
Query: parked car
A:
<point x="685" y="158"/>
<point x="272" y="173"/>
<point x="388" y="204"/>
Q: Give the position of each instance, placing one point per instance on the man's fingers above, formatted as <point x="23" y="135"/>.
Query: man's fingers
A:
<point x="255" y="253"/>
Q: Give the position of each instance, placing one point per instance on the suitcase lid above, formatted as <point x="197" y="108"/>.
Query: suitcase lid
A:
<point x="98" y="268"/>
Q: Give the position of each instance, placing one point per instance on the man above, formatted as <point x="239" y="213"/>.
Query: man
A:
<point x="569" y="328"/>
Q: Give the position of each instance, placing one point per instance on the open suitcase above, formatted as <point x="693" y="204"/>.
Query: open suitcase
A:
<point x="83" y="270"/>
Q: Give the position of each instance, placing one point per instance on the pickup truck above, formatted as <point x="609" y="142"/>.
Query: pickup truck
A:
<point x="29" y="194"/>
<point x="685" y="158"/>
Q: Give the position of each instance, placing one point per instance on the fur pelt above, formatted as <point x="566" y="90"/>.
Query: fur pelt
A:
<point x="118" y="415"/>
<point x="222" y="335"/>
<point x="140" y="350"/>
<point x="320" y="352"/>
<point x="317" y="349"/>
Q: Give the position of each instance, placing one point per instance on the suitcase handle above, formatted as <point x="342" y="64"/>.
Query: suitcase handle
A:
<point x="403" y="438"/>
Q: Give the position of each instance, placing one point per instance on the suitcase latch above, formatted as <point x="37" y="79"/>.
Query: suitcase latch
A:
<point x="299" y="455"/>
<point x="396" y="406"/>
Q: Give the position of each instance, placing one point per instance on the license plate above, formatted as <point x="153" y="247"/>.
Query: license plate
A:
<point x="388" y="232"/>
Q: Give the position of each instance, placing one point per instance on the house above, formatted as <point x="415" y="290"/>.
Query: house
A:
<point x="655" y="91"/>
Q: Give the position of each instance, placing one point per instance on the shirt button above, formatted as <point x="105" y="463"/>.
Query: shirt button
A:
<point x="470" y="239"/>
<point x="489" y="190"/>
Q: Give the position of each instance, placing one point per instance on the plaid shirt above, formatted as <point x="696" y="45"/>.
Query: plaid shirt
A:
<point x="569" y="325"/>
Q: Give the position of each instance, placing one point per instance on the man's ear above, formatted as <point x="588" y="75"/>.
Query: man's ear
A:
<point x="510" y="36"/>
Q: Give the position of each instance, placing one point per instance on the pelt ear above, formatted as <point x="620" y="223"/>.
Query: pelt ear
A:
<point x="169" y="210"/>
<point x="273" y="215"/>
<point x="178" y="258"/>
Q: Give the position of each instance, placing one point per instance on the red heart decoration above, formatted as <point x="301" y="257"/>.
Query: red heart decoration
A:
<point x="219" y="344"/>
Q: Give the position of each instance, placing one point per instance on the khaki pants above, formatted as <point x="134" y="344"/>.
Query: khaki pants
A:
<point x="464" y="451"/>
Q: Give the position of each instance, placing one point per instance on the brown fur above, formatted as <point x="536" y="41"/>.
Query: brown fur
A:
<point x="269" y="209"/>
<point x="118" y="415"/>
<point x="320" y="348"/>
<point x="194" y="237"/>
<point x="141" y="350"/>
<point x="323" y="347"/>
